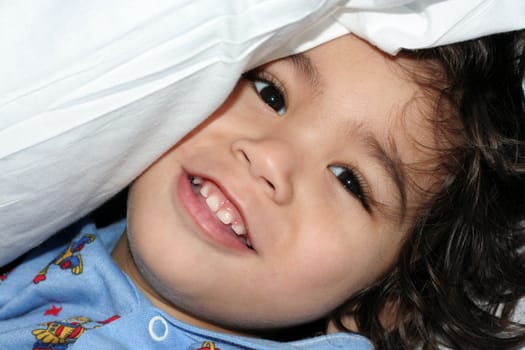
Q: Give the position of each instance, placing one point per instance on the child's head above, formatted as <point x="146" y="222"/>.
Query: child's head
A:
<point x="319" y="166"/>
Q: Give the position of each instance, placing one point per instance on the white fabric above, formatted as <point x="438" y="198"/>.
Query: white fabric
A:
<point x="91" y="92"/>
<point x="418" y="24"/>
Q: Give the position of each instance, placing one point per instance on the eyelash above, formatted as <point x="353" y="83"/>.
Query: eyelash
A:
<point x="353" y="183"/>
<point x="258" y="77"/>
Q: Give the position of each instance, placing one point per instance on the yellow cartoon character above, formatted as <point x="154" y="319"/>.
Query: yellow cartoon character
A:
<point x="208" y="345"/>
<point x="59" y="334"/>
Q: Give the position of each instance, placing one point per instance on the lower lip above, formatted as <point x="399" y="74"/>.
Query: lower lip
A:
<point x="206" y="221"/>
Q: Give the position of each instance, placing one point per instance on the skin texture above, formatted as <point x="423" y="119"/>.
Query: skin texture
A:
<point x="315" y="242"/>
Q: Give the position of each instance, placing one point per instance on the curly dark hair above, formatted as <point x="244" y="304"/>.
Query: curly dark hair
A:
<point x="461" y="270"/>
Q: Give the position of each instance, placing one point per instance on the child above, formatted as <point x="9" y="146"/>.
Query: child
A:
<point x="381" y="195"/>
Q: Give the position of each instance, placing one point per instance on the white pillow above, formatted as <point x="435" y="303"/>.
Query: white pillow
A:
<point x="91" y="92"/>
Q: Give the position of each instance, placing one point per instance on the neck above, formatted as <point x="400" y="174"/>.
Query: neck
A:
<point x="124" y="259"/>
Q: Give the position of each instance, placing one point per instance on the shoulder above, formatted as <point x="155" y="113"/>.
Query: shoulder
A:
<point x="335" y="341"/>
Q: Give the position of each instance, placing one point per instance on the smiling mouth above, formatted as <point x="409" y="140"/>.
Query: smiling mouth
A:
<point x="223" y="209"/>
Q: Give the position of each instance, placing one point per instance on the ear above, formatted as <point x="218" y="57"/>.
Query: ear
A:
<point x="347" y="321"/>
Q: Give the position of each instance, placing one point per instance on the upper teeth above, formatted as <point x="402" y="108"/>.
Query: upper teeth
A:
<point x="225" y="216"/>
<point x="213" y="202"/>
<point x="196" y="180"/>
<point x="238" y="229"/>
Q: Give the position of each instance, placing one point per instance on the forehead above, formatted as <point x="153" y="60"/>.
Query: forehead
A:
<point x="356" y="77"/>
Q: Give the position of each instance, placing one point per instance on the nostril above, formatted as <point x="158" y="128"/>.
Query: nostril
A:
<point x="269" y="162"/>
<point x="269" y="184"/>
<point x="245" y="156"/>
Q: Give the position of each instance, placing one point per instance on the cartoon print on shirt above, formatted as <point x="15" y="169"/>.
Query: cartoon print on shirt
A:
<point x="3" y="277"/>
<point x="53" y="311"/>
<point x="7" y="269"/>
<point x="58" y="335"/>
<point x="70" y="259"/>
<point x="206" y="345"/>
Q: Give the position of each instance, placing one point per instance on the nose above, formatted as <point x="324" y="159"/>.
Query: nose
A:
<point x="271" y="163"/>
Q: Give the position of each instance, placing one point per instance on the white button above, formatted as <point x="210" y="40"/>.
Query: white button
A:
<point x="158" y="328"/>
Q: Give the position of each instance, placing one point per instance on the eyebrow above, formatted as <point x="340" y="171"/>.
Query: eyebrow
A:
<point x="304" y="65"/>
<point x="390" y="160"/>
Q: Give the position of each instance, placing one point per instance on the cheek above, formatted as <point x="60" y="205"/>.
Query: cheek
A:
<point x="349" y="260"/>
<point x="150" y="220"/>
<point x="146" y="210"/>
<point x="325" y="274"/>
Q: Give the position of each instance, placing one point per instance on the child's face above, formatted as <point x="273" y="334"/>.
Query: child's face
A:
<point x="316" y="185"/>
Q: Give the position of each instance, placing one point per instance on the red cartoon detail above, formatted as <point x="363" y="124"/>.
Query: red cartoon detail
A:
<point x="109" y="320"/>
<point x="7" y="269"/>
<point x="53" y="311"/>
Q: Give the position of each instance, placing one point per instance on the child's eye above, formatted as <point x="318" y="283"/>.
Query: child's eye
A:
<point x="271" y="95"/>
<point x="351" y="183"/>
<point x="270" y="91"/>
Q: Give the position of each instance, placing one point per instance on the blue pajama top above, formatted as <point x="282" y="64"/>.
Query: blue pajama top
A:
<point x="68" y="293"/>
